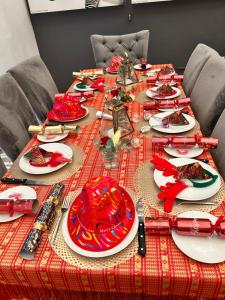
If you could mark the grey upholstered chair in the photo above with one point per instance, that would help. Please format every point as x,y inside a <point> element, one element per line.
<point>2,168</point>
<point>219,153</point>
<point>208,95</point>
<point>196,62</point>
<point>16,114</point>
<point>107,46</point>
<point>35,80</point>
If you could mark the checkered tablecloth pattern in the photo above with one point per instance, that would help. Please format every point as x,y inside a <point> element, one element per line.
<point>164,271</point>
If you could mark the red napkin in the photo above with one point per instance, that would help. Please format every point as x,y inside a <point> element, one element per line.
<point>56,159</point>
<point>98,84</point>
<point>171,190</point>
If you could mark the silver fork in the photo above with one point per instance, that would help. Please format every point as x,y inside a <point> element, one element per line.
<point>64,208</point>
<point>198,202</point>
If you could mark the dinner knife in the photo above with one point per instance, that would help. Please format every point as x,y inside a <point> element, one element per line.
<point>141,229</point>
<point>24,181</point>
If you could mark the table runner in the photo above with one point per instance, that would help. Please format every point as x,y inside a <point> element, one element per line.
<point>164,271</point>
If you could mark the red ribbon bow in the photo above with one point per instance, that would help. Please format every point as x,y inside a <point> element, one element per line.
<point>171,190</point>
<point>98,84</point>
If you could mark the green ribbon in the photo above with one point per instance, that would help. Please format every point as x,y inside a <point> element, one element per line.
<point>207,183</point>
<point>81,86</point>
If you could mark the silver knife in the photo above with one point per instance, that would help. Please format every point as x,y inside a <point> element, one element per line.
<point>141,229</point>
<point>24,181</point>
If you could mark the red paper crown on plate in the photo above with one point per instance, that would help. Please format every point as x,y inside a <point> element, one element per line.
<point>101,215</point>
<point>115,63</point>
<point>66,107</point>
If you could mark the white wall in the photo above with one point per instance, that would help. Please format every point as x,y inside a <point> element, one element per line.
<point>17,40</point>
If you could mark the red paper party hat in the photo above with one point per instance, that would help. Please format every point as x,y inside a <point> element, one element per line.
<point>101,216</point>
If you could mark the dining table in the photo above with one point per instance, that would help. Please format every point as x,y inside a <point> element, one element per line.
<point>58,273</point>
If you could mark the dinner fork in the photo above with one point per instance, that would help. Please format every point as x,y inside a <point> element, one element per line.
<point>64,208</point>
<point>198,202</point>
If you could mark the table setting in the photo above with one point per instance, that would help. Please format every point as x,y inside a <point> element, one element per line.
<point>158,208</point>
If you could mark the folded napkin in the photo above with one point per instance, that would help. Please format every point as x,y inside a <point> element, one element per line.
<point>98,84</point>
<point>190,173</point>
<point>164,104</point>
<point>185,142</point>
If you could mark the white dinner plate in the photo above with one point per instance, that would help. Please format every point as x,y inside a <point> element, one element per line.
<point>50,138</point>
<point>150,93</point>
<point>155,72</point>
<point>190,193</point>
<point>156,123</point>
<point>138,67</point>
<point>125,242</point>
<point>185,152</point>
<point>25,192</point>
<point>87,89</point>
<point>170,109</point>
<point>209,250</point>
<point>53,147</point>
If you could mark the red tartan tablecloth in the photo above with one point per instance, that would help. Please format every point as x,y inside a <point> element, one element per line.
<point>164,271</point>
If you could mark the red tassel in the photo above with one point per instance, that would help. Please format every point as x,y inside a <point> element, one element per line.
<point>169,193</point>
<point>162,164</point>
<point>57,159</point>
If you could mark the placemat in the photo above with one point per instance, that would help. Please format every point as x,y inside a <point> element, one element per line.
<point>57,176</point>
<point>148,190</point>
<point>65,253</point>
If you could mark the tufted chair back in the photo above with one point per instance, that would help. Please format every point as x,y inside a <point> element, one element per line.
<point>107,46</point>
<point>208,94</point>
<point>37,84</point>
<point>2,168</point>
<point>16,114</point>
<point>195,64</point>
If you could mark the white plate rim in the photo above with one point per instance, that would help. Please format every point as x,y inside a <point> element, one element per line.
<point>150,94</point>
<point>187,194</point>
<point>172,129</point>
<point>138,67</point>
<point>157,70</point>
<point>196,152</point>
<point>6,217</point>
<point>110,72</point>
<point>179,239</point>
<point>82,90</point>
<point>24,166</point>
<point>59,137</point>
<point>125,242</point>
